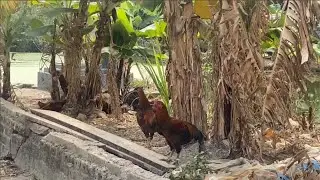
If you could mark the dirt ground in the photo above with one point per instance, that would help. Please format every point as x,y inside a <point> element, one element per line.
<point>9,171</point>
<point>291,141</point>
<point>128,128</point>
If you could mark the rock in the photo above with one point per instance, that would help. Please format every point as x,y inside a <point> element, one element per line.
<point>132,112</point>
<point>121,127</point>
<point>101,114</point>
<point>294,124</point>
<point>38,129</point>
<point>125,108</point>
<point>81,117</point>
<point>93,116</point>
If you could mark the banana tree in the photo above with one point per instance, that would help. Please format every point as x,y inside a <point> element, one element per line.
<point>10,30</point>
<point>249,101</point>
<point>184,69</point>
<point>90,39</point>
<point>133,37</point>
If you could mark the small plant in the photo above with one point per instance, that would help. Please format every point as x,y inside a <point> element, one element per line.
<point>139,83</point>
<point>195,170</point>
<point>158,76</point>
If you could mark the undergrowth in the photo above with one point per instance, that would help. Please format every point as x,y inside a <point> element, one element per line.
<point>197,169</point>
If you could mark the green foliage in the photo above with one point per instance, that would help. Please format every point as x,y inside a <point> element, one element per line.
<point>129,31</point>
<point>40,31</point>
<point>158,29</point>
<point>312,98</point>
<point>316,48</point>
<point>152,5</point>
<point>141,16</point>
<point>158,76</point>
<point>195,170</point>
<point>272,39</point>
<point>125,21</point>
<point>58,11</point>
<point>139,83</point>
<point>14,26</point>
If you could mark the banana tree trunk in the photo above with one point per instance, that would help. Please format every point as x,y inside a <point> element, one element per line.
<point>120,72</point>
<point>184,67</point>
<point>93,78</point>
<point>6,88</point>
<point>126,77</point>
<point>55,93</point>
<point>112,81</point>
<point>5,63</point>
<point>2,57</point>
<point>73,36</point>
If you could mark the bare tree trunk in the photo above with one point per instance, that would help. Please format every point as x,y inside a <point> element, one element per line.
<point>55,93</point>
<point>73,37</point>
<point>184,67</point>
<point>112,82</point>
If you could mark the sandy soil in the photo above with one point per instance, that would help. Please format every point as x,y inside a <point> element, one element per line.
<point>30,97</point>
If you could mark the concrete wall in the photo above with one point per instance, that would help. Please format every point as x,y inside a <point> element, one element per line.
<point>44,79</point>
<point>52,155</point>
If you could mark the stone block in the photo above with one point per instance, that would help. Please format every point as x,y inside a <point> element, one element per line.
<point>21,129</point>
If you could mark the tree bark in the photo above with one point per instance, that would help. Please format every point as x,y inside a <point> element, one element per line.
<point>126,77</point>
<point>112,81</point>
<point>239,81</point>
<point>184,66</point>
<point>73,39</point>
<point>55,93</point>
<point>2,57</point>
<point>6,88</point>
<point>93,81</point>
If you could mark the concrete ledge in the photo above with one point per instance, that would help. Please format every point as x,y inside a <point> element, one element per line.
<point>124,148</point>
<point>90,152</point>
<point>35,145</point>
